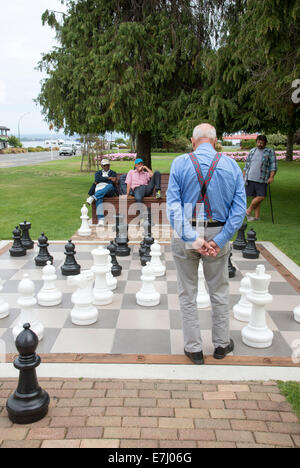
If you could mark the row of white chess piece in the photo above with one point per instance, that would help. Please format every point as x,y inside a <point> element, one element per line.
<point>251,307</point>
<point>93,288</point>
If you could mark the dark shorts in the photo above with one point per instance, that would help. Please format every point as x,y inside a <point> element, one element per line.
<point>256,189</point>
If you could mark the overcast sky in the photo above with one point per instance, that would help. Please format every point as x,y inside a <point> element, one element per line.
<point>23,39</point>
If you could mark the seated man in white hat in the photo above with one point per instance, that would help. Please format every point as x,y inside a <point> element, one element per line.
<point>105,185</point>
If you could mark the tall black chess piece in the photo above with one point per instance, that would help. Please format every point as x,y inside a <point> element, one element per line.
<point>30,402</point>
<point>26,241</point>
<point>121,240</point>
<point>148,240</point>
<point>17,250</point>
<point>231,268</point>
<point>250,251</point>
<point>116,269</point>
<point>43,256</point>
<point>70,267</point>
<point>240,242</point>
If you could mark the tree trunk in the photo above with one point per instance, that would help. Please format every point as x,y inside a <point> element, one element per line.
<point>144,147</point>
<point>290,146</point>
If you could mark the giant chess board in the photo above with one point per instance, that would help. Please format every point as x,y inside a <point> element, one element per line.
<point>124,328</point>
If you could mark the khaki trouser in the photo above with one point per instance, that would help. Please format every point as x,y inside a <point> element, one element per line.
<point>217,278</point>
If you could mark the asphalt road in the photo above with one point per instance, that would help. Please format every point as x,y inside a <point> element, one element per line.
<point>29,159</point>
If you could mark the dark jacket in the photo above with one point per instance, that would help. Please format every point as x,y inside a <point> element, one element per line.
<point>99,179</point>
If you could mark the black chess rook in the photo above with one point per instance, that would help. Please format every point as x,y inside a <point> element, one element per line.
<point>70,267</point>
<point>17,250</point>
<point>43,256</point>
<point>30,402</point>
<point>26,240</point>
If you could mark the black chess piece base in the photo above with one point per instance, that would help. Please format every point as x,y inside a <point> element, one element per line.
<point>22,410</point>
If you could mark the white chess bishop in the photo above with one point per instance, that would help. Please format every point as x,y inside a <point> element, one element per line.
<point>203,299</point>
<point>84,312</point>
<point>49,295</point>
<point>148,296</point>
<point>257,334</point>
<point>242,311</point>
<point>85,229</point>
<point>111,281</point>
<point>156,264</point>
<point>28,314</point>
<point>4,306</point>
<point>296,314</point>
<point>102,293</point>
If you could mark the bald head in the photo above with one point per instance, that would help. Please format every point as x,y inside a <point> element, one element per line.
<point>204,133</point>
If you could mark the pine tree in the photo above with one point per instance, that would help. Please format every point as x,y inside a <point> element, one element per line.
<point>126,65</point>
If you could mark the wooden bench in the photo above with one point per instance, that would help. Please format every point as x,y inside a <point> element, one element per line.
<point>118,206</point>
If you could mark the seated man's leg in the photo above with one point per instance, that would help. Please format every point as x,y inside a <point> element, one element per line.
<point>139,194</point>
<point>107,191</point>
<point>155,183</point>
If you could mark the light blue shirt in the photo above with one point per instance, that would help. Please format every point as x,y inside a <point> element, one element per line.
<point>226,194</point>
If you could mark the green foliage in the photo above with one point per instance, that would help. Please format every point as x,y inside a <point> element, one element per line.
<point>14,142</point>
<point>277,139</point>
<point>291,391</point>
<point>248,144</point>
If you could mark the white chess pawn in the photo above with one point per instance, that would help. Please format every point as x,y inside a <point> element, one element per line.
<point>103,295</point>
<point>49,295</point>
<point>148,296</point>
<point>83,313</point>
<point>296,314</point>
<point>4,306</point>
<point>28,314</point>
<point>257,334</point>
<point>112,282</point>
<point>242,310</point>
<point>157,267</point>
<point>84,230</point>
<point>203,299</point>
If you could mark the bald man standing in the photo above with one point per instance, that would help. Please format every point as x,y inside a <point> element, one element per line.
<point>206,202</point>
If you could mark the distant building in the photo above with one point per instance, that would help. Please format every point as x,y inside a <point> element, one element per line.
<point>236,139</point>
<point>3,137</point>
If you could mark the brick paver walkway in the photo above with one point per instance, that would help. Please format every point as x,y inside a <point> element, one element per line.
<point>155,414</point>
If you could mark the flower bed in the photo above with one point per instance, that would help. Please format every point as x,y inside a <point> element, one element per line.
<point>118,157</point>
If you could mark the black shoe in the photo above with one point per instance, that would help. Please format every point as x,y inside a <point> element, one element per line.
<point>221,353</point>
<point>197,358</point>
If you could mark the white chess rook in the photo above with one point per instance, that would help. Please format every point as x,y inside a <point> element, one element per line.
<point>103,295</point>
<point>111,281</point>
<point>49,295</point>
<point>148,296</point>
<point>84,312</point>
<point>203,299</point>
<point>4,306</point>
<point>297,314</point>
<point>84,230</point>
<point>28,314</point>
<point>257,334</point>
<point>242,311</point>
<point>156,264</point>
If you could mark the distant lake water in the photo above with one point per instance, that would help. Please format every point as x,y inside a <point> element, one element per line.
<point>33,144</point>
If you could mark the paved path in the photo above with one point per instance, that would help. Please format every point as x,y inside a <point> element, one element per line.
<point>29,159</point>
<point>155,414</point>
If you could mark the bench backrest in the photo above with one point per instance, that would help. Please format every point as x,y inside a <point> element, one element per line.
<point>164,181</point>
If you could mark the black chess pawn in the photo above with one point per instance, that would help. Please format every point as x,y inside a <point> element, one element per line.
<point>231,268</point>
<point>43,256</point>
<point>70,267</point>
<point>26,241</point>
<point>17,250</point>
<point>121,240</point>
<point>30,402</point>
<point>240,242</point>
<point>250,251</point>
<point>116,269</point>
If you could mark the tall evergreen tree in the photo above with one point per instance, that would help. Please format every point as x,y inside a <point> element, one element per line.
<point>127,65</point>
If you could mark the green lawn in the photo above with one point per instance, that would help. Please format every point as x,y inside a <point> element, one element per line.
<point>291,391</point>
<point>50,196</point>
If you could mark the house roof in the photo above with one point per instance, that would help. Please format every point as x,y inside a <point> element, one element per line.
<point>4,128</point>
<point>241,137</point>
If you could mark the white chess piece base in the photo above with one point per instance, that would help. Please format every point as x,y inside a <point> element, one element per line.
<point>84,316</point>
<point>297,314</point>
<point>257,337</point>
<point>49,299</point>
